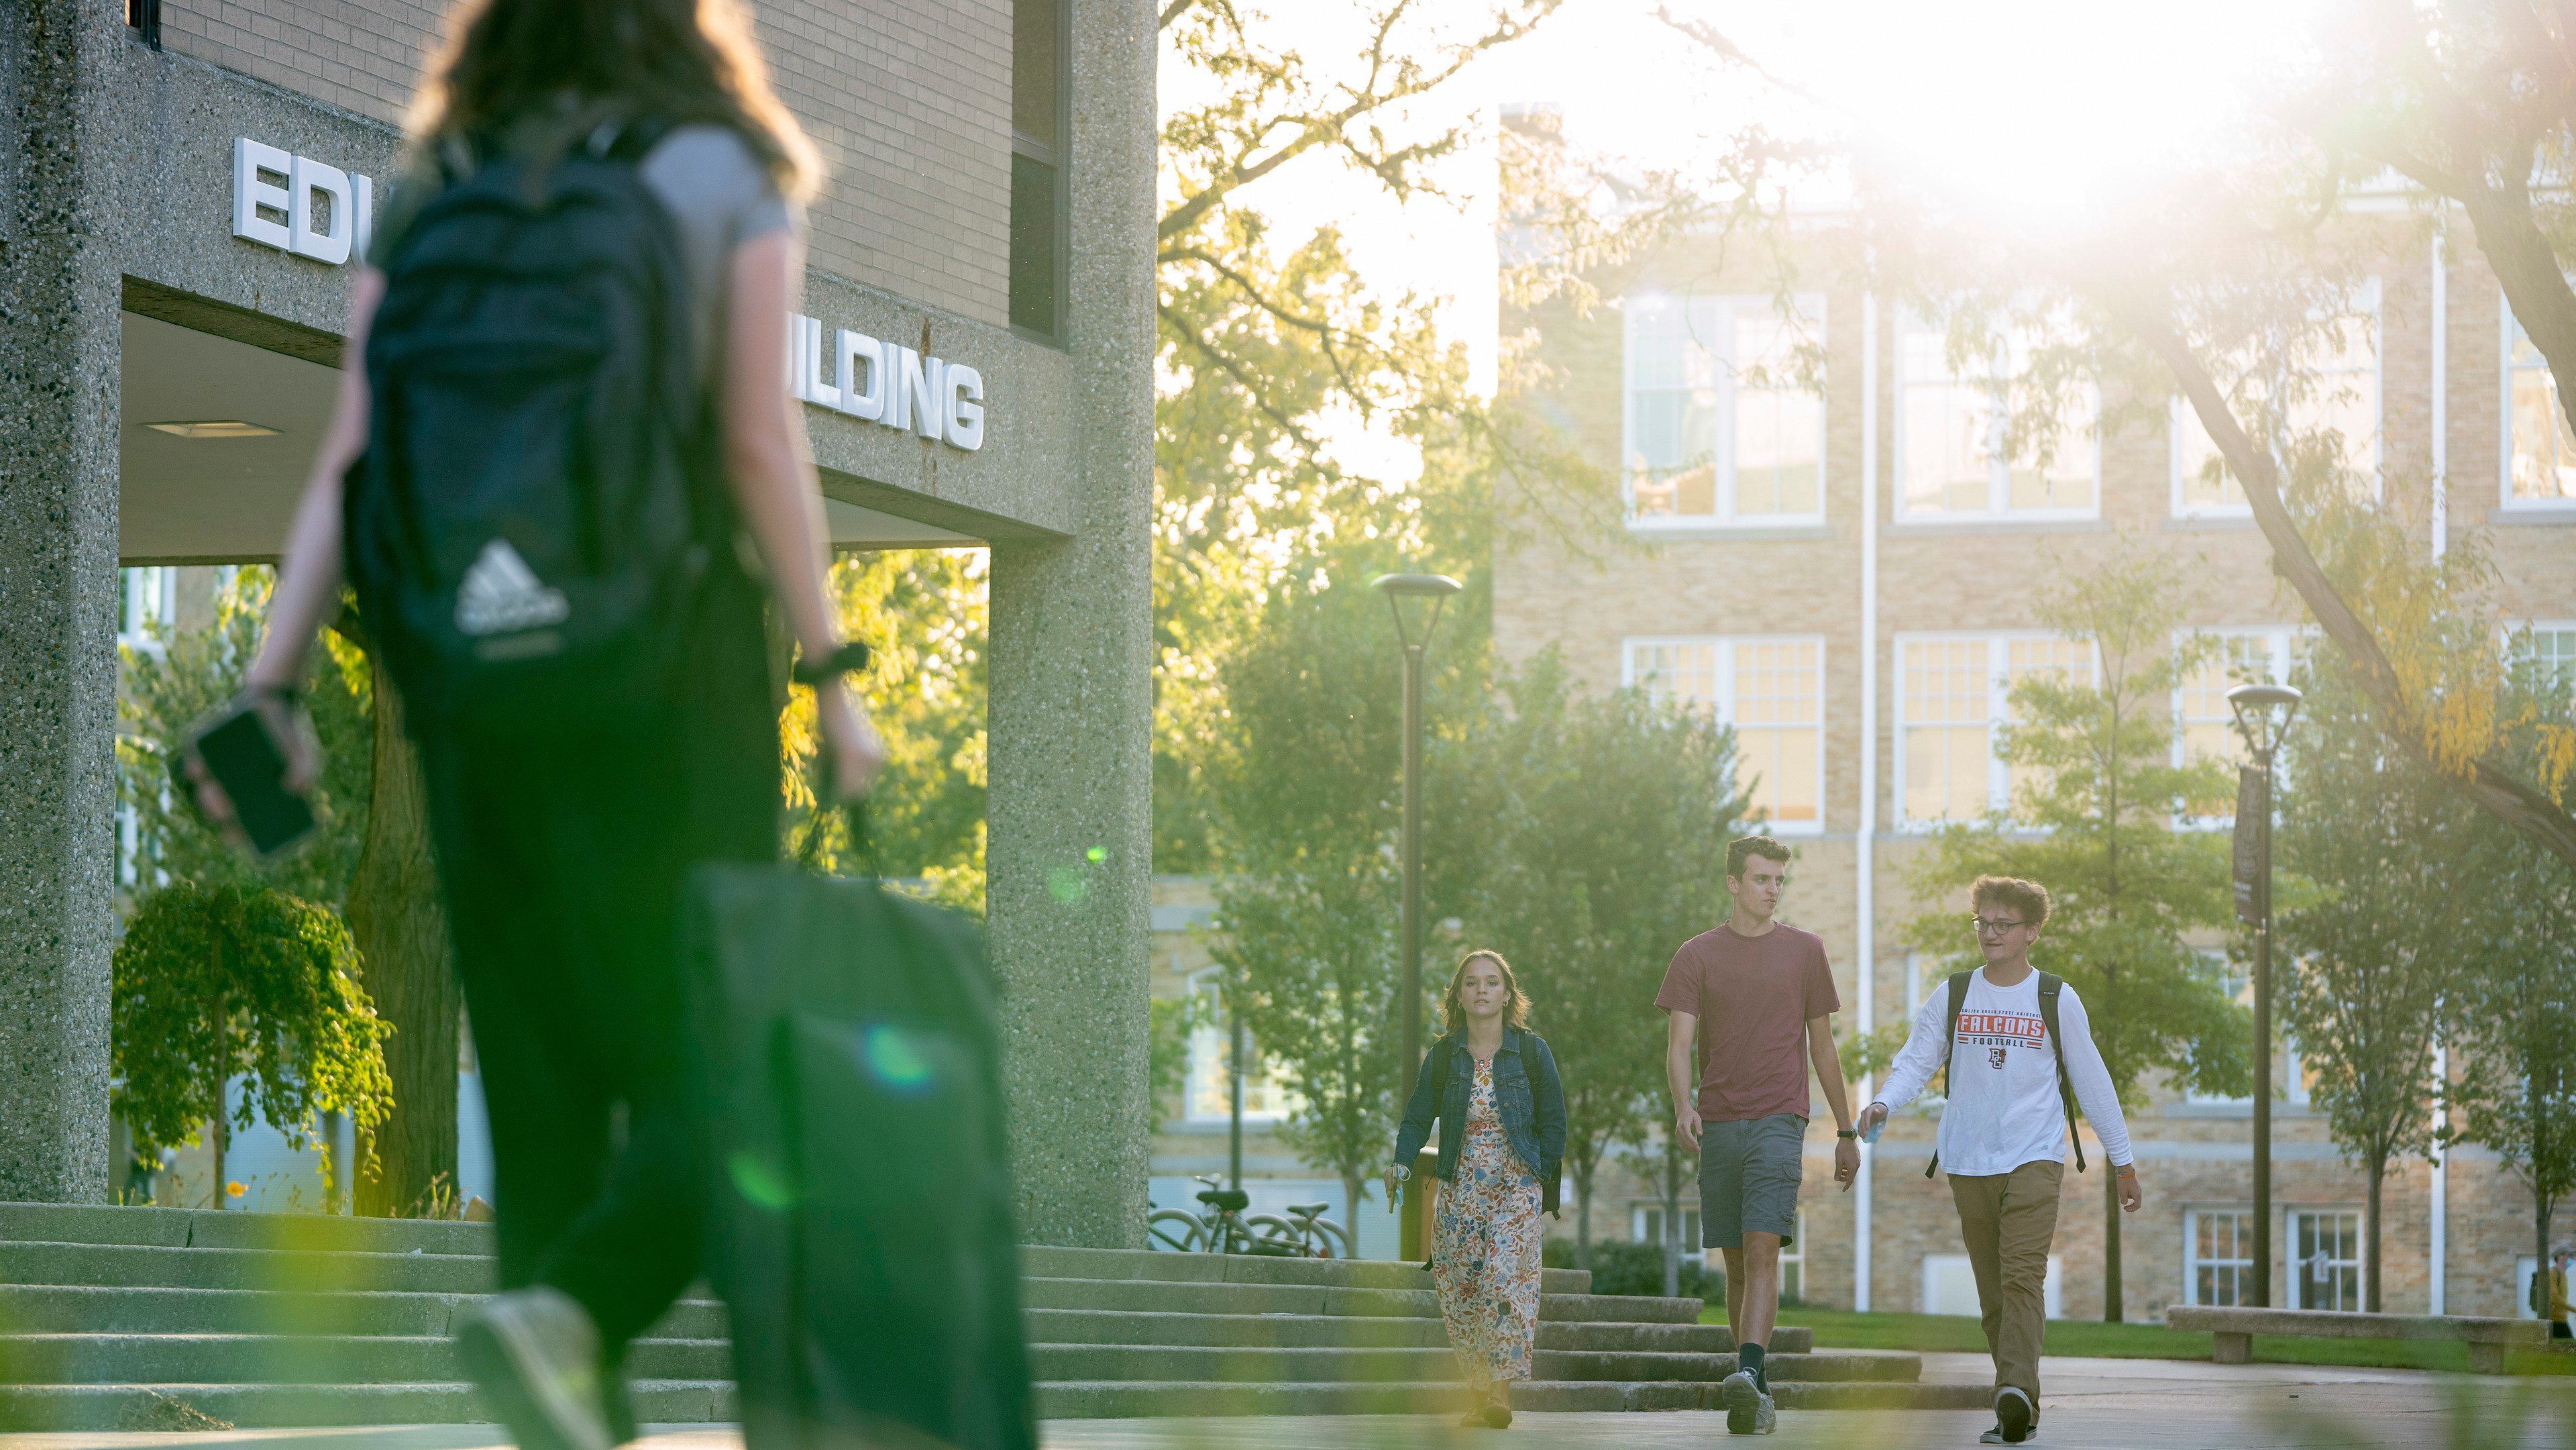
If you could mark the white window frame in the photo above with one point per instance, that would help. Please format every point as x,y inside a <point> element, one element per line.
<point>1724,701</point>
<point>1998,713</point>
<point>1215,1038</point>
<point>2192,1262</point>
<point>145,595</point>
<point>1998,464</point>
<point>1793,1259</point>
<point>2181,419</point>
<point>1645,1232</point>
<point>2552,626</point>
<point>1811,307</point>
<point>2507,326</point>
<point>2294,1268</point>
<point>2281,650</point>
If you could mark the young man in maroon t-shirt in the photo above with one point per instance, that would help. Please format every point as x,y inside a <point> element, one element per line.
<point>1759,999</point>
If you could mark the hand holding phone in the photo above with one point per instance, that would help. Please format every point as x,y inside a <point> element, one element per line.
<point>236,769</point>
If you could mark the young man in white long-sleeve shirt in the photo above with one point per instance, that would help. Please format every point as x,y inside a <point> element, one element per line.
<point>2003,1133</point>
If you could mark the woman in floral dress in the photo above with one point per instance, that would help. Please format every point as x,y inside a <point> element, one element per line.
<point>1492,1084</point>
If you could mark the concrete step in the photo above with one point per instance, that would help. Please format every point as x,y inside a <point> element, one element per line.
<point>163,1266</point>
<point>176,1406</point>
<point>1126,1399</point>
<point>1040,1261</point>
<point>1138,1296</point>
<point>107,1359</point>
<point>1100,1326</point>
<point>95,1309</point>
<point>1074,1363</point>
<point>177,1228</point>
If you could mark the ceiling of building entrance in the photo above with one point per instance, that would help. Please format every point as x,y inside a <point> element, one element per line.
<point>224,493</point>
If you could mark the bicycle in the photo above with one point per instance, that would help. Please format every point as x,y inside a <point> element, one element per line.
<point>1223,1229</point>
<point>1309,1233</point>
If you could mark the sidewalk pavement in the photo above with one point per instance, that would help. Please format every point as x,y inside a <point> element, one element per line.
<point>2113,1404</point>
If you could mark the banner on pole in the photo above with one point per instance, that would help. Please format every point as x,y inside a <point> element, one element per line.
<point>2253,813</point>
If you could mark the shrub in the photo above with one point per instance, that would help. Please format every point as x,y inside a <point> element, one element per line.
<point>1626,1266</point>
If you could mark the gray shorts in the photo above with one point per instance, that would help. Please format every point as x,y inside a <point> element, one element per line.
<point>1748,1178</point>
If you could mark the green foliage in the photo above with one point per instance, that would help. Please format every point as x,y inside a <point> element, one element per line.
<point>1632,1267</point>
<point>1169,1023</point>
<point>2511,1004</point>
<point>237,979</point>
<point>2370,963</point>
<point>1599,828</point>
<point>183,676</point>
<point>2095,805</point>
<point>924,613</point>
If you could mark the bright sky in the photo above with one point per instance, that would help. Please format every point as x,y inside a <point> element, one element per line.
<point>2049,111</point>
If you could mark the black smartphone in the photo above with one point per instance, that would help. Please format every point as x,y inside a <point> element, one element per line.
<point>237,752</point>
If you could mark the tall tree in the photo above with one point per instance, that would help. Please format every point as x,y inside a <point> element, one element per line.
<point>1303,768</point>
<point>1605,851</point>
<point>2363,997</point>
<point>2513,1011</point>
<point>2090,752</point>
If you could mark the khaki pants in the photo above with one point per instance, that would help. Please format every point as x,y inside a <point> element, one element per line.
<point>2008,1220</point>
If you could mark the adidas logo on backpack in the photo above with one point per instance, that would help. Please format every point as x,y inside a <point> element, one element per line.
<point>500,594</point>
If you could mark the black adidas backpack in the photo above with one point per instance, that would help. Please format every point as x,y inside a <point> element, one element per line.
<point>526,530</point>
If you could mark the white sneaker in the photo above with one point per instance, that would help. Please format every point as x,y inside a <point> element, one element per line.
<point>1748,1408</point>
<point>534,1354</point>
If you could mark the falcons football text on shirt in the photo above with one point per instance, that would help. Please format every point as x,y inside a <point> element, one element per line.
<point>1998,1031</point>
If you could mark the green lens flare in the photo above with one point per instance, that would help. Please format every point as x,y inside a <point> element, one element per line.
<point>897,1059</point>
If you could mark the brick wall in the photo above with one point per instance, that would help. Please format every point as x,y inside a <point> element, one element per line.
<point>908,102</point>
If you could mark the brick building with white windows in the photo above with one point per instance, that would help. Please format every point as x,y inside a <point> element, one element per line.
<point>1833,561</point>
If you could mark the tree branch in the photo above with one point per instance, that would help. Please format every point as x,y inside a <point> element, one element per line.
<point>2487,784</point>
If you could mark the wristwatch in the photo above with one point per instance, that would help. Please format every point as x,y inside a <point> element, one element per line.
<point>1847,1132</point>
<point>851,658</point>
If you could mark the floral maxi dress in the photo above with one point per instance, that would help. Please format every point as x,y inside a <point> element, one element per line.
<point>1485,1248</point>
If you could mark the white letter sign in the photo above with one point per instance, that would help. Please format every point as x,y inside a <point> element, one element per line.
<point>885,383</point>
<point>301,180</point>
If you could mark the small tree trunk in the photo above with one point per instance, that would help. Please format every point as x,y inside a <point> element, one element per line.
<point>2111,1311</point>
<point>2370,1238</point>
<point>1352,1188</point>
<point>401,934</point>
<point>2541,1207</point>
<point>215,1150</point>
<point>1583,1220</point>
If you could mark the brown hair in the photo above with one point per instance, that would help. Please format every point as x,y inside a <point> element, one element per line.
<point>1744,848</point>
<point>2027,897</point>
<point>687,60</point>
<point>1453,1013</point>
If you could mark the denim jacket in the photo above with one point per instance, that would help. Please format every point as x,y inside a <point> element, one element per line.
<point>1527,1095</point>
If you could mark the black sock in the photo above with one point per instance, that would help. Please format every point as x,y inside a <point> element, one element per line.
<point>1749,1357</point>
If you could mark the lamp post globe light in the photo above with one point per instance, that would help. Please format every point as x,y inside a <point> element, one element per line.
<point>1416,600</point>
<point>2263,714</point>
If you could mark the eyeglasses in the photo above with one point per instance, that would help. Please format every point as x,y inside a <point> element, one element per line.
<point>1986,926</point>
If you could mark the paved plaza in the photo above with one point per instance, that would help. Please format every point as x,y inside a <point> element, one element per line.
<point>2152,1404</point>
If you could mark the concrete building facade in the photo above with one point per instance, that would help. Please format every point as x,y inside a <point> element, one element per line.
<point>1837,569</point>
<point>181,180</point>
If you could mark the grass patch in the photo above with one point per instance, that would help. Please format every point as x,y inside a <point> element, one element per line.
<point>1929,1333</point>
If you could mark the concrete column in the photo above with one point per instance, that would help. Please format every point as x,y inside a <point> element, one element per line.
<point>1068,735</point>
<point>58,467</point>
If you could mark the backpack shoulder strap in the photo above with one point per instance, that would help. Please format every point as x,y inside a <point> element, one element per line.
<point>2049,986</point>
<point>1958,1004</point>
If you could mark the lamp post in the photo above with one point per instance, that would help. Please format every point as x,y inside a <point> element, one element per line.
<point>1411,595</point>
<point>2263,717</point>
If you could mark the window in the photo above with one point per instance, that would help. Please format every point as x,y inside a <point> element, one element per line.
<point>2218,1257</point>
<point>1037,266</point>
<point>2552,647</point>
<point>1209,1095</point>
<point>1793,1263</point>
<point>147,602</point>
<point>2340,392</point>
<point>1773,692</point>
<point>2325,1259</point>
<point>2204,726</point>
<point>1725,421</point>
<point>1954,694</point>
<point>1958,454</point>
<point>1950,1286</point>
<point>2540,455</point>
<point>1646,1226</point>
